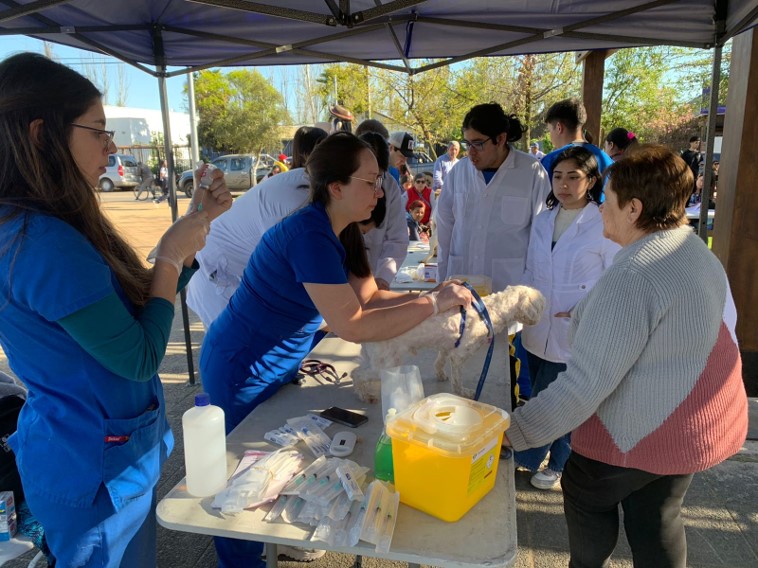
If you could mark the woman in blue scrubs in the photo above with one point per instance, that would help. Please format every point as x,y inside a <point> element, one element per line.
<point>83,323</point>
<point>311,267</point>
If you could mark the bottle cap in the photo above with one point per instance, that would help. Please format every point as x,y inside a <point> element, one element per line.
<point>202,399</point>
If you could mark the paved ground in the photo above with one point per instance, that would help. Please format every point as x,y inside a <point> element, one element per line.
<point>721,509</point>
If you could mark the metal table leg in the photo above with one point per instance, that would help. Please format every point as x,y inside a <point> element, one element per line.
<point>272,555</point>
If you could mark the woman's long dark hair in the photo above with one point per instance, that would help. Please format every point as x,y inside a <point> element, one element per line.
<point>335,159</point>
<point>41,176</point>
<point>586,163</point>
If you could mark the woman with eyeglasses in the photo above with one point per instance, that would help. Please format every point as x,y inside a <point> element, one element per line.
<point>421,192</point>
<point>84,324</point>
<point>310,267</point>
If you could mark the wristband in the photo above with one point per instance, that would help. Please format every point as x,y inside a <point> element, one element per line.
<point>172,262</point>
<point>432,296</point>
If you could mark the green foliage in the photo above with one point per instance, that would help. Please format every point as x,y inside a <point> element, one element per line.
<point>352,84</point>
<point>653,91</point>
<point>656,91</point>
<point>239,111</point>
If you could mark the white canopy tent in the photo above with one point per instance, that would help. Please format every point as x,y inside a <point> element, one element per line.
<point>395,34</point>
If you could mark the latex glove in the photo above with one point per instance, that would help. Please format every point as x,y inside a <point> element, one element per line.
<point>183,239</point>
<point>210,193</point>
<point>453,295</point>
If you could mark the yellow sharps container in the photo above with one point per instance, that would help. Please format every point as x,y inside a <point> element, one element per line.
<point>445,451</point>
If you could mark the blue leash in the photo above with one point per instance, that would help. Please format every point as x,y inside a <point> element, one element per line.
<point>481,309</point>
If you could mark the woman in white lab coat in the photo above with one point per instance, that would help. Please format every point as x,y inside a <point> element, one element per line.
<point>567,255</point>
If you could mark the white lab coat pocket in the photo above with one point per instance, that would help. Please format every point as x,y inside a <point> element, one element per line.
<point>567,296</point>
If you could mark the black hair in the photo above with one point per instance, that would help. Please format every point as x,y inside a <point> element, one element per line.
<point>586,163</point>
<point>382,153</point>
<point>378,214</point>
<point>490,119</point>
<point>372,125</point>
<point>379,147</point>
<point>570,112</point>
<point>335,159</point>
<point>621,138</point>
<point>39,174</point>
<point>304,142</point>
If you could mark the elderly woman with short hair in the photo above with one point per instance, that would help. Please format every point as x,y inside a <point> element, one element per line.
<point>653,391</point>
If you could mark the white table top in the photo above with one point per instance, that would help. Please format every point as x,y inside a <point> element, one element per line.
<point>417,253</point>
<point>694,212</point>
<point>485,536</point>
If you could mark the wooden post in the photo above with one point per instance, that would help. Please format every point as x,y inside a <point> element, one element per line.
<point>735,236</point>
<point>593,75</point>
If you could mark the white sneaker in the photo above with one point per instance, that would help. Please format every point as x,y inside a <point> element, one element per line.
<point>299,554</point>
<point>546,479</point>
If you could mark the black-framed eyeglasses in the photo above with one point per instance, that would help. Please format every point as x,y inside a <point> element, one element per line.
<point>109,134</point>
<point>478,145</point>
<point>420,181</point>
<point>377,183</point>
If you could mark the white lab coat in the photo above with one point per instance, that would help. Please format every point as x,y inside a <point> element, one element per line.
<point>484,228</point>
<point>235,234</point>
<point>387,244</point>
<point>564,275</point>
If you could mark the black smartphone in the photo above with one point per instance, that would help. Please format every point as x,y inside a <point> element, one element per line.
<point>346,417</point>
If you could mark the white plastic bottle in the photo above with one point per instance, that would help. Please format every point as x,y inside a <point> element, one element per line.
<point>204,447</point>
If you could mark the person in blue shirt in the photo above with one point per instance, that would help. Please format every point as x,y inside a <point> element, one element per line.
<point>309,268</point>
<point>83,323</point>
<point>565,122</point>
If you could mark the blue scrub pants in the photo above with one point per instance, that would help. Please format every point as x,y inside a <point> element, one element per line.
<point>99,536</point>
<point>543,373</point>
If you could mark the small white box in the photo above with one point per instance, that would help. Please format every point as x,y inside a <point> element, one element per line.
<point>430,272</point>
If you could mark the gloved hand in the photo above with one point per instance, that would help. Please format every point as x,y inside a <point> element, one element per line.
<point>453,295</point>
<point>183,239</point>
<point>210,193</point>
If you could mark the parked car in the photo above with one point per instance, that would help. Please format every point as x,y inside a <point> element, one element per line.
<point>420,162</point>
<point>238,170</point>
<point>122,172</point>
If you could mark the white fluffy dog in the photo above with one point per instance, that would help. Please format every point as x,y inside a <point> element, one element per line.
<point>515,303</point>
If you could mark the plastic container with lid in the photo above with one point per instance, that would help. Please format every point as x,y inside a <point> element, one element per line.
<point>445,453</point>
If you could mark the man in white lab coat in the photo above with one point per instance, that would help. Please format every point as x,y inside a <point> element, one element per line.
<point>485,213</point>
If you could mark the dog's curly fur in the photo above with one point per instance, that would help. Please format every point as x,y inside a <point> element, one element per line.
<point>515,303</point>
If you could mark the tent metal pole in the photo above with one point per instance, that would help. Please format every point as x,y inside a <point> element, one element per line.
<point>195,148</point>
<point>161,72</point>
<point>710,135</point>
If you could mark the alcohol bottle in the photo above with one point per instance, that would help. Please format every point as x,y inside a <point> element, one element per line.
<point>204,447</point>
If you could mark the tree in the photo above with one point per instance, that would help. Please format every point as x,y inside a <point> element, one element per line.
<point>523,85</point>
<point>346,84</point>
<point>122,85</point>
<point>656,91</point>
<point>239,111</point>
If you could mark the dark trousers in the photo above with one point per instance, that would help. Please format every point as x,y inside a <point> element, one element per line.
<point>652,504</point>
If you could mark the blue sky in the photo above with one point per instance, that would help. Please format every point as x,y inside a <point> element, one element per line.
<point>142,91</point>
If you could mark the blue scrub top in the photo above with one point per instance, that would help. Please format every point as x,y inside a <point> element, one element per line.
<point>74,403</point>
<point>270,321</point>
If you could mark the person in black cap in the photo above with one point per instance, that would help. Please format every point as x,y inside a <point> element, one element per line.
<point>693,156</point>
<point>401,148</point>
